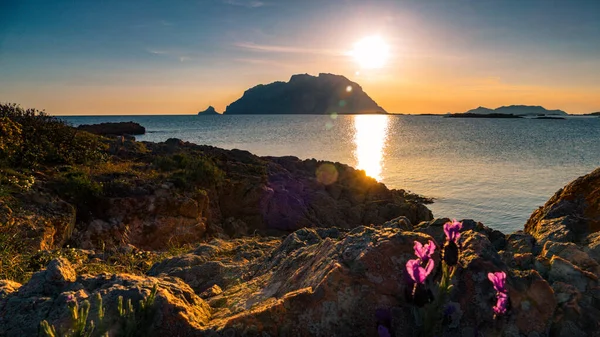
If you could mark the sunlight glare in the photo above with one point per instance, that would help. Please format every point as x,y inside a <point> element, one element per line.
<point>370,138</point>
<point>371,52</point>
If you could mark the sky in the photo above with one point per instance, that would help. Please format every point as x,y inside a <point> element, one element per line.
<point>78,57</point>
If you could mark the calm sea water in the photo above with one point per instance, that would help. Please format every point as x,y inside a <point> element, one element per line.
<point>496,171</point>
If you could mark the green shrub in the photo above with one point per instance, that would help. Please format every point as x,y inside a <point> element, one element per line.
<point>10,138</point>
<point>43,139</point>
<point>79,189</point>
<point>187,170</point>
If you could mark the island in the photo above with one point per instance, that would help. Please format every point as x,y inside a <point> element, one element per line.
<point>114,129</point>
<point>517,110</point>
<point>549,117</point>
<point>475,115</point>
<point>306,94</point>
<point>209,111</point>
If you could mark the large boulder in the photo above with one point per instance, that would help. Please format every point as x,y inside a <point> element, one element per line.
<point>571,214</point>
<point>114,129</point>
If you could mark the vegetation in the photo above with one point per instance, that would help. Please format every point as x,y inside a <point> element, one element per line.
<point>186,169</point>
<point>43,155</point>
<point>29,138</point>
<point>130,321</point>
<point>18,262</point>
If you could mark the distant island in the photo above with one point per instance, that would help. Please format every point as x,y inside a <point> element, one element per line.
<point>306,94</point>
<point>549,117</point>
<point>517,110</point>
<point>209,111</point>
<point>592,114</point>
<point>475,115</point>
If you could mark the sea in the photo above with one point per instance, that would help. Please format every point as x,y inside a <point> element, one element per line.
<point>496,171</point>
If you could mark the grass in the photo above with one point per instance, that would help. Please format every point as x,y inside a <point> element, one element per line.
<point>18,261</point>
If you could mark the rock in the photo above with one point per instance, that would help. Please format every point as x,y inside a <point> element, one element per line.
<point>520,243</point>
<point>306,94</point>
<point>331,283</point>
<point>290,196</point>
<point>564,271</point>
<point>176,310</point>
<point>114,129</point>
<point>571,214</point>
<point>573,254</point>
<point>149,222</point>
<point>400,222</point>
<point>41,221</point>
<point>211,292</point>
<point>209,111</point>
<point>532,302</point>
<point>8,287</point>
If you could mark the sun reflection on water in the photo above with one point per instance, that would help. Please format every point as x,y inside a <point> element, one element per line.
<point>370,138</point>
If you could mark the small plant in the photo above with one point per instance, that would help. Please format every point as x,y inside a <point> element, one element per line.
<point>130,323</point>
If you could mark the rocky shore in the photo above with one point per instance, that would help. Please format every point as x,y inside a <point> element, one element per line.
<point>177,239</point>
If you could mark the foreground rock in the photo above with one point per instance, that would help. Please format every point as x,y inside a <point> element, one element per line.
<point>306,94</point>
<point>177,311</point>
<point>114,129</point>
<point>315,282</point>
<point>567,238</point>
<point>571,215</point>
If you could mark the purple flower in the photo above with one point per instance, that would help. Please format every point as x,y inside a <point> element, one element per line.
<point>501,303</point>
<point>382,331</point>
<point>498,279</point>
<point>452,230</point>
<point>424,252</point>
<point>70,298</point>
<point>417,273</point>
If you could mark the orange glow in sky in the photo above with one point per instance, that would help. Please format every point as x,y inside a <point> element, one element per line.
<point>409,56</point>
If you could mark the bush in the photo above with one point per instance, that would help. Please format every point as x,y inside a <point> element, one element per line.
<point>10,138</point>
<point>79,189</point>
<point>38,139</point>
<point>188,169</point>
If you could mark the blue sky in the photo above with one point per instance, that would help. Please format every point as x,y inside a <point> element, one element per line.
<point>177,57</point>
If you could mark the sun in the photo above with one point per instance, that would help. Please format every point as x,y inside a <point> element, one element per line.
<point>371,52</point>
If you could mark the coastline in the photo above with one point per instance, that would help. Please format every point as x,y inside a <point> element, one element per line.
<point>236,242</point>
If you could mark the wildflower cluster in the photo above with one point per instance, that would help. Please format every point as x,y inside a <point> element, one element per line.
<point>429,298</point>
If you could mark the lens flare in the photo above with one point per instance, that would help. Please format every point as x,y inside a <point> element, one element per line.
<point>370,138</point>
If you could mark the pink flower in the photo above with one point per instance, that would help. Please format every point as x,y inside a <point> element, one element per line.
<point>417,273</point>
<point>498,279</point>
<point>452,230</point>
<point>424,252</point>
<point>501,304</point>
